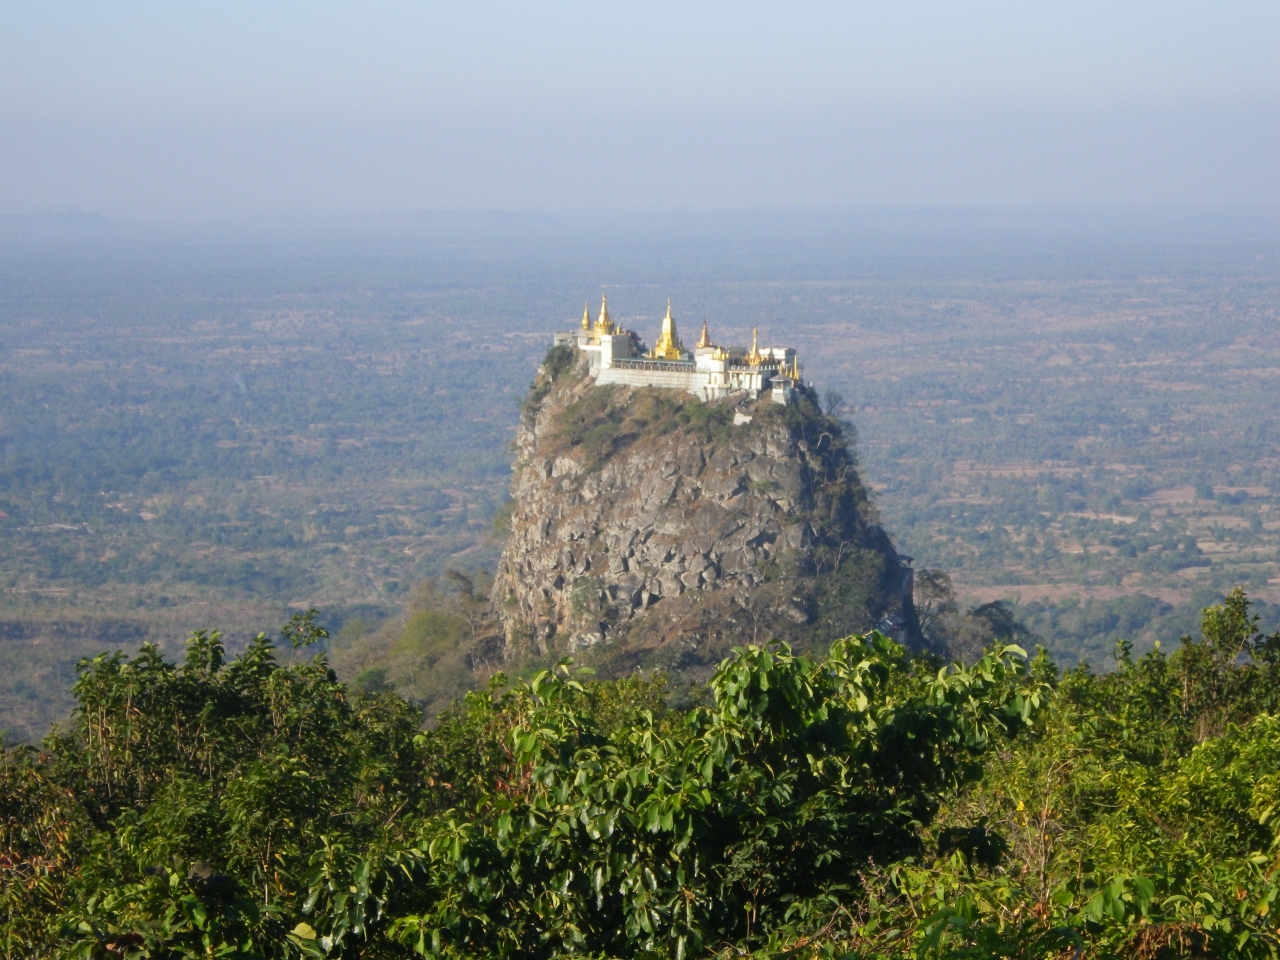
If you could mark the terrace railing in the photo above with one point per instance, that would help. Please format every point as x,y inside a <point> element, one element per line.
<point>666,366</point>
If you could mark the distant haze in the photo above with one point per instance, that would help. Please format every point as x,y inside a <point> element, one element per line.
<point>177,112</point>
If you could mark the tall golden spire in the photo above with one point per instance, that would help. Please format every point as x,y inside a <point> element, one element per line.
<point>668,346</point>
<point>586,316</point>
<point>754,357</point>
<point>603,323</point>
<point>704,340</point>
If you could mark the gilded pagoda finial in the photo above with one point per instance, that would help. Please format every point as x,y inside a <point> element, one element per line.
<point>704,340</point>
<point>586,316</point>
<point>603,324</point>
<point>668,346</point>
<point>754,357</point>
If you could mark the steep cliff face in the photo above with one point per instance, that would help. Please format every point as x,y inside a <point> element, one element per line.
<point>657,529</point>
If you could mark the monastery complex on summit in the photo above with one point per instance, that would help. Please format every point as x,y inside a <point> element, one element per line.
<point>708,371</point>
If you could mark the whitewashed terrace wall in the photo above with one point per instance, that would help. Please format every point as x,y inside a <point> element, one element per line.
<point>674,380</point>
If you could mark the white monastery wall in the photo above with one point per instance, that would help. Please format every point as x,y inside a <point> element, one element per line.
<point>672,379</point>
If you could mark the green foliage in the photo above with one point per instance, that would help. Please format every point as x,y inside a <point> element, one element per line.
<point>610,418</point>
<point>864,804</point>
<point>1137,820</point>
<point>848,593</point>
<point>439,649</point>
<point>246,808</point>
<point>501,522</point>
<point>963,635</point>
<point>178,814</point>
<point>558,362</point>
<point>594,424</point>
<point>661,837</point>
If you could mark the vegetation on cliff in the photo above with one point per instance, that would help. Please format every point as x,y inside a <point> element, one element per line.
<point>868,803</point>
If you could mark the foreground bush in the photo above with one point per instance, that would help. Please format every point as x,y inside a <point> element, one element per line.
<point>1138,819</point>
<point>256,809</point>
<point>863,804</point>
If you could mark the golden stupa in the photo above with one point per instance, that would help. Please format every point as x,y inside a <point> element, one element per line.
<point>704,340</point>
<point>604,326</point>
<point>668,346</point>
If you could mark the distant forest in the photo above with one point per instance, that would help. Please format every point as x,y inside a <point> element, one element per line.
<point>1076,415</point>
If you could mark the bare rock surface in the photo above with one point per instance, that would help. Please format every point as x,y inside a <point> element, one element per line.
<point>647,523</point>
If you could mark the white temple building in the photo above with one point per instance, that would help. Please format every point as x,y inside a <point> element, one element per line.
<point>709,371</point>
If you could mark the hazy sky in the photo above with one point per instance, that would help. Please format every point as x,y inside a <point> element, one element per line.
<point>176,110</point>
